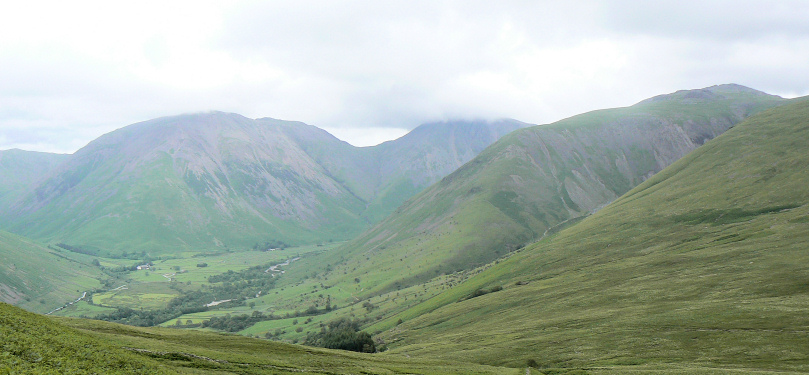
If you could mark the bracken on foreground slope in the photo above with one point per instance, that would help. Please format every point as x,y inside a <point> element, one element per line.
<point>34,344</point>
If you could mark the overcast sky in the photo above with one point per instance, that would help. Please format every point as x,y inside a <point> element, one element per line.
<point>368,71</point>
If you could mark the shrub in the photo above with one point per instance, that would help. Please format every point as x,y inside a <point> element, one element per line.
<point>480,292</point>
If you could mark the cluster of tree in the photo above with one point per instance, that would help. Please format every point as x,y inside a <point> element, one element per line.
<point>101,252</point>
<point>121,269</point>
<point>77,249</point>
<point>235,323</point>
<point>480,292</point>
<point>127,255</point>
<point>369,306</point>
<point>240,285</point>
<point>188,303</point>
<point>342,334</point>
<point>236,286</point>
<point>271,244</point>
<point>252,273</point>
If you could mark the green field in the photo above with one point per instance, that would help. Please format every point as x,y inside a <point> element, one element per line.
<point>171,277</point>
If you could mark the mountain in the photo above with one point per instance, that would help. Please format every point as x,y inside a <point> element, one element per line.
<point>223,181</point>
<point>704,265</point>
<point>388,174</point>
<point>532,182</point>
<point>42,279</point>
<point>19,170</point>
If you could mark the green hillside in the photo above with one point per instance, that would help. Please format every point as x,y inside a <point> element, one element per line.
<point>42,279</point>
<point>704,265</point>
<point>424,156</point>
<point>19,170</point>
<point>188,182</point>
<point>531,183</point>
<point>33,344</point>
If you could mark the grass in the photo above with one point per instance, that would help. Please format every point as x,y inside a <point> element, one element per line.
<point>41,279</point>
<point>702,268</point>
<point>19,169</point>
<point>148,295</point>
<point>36,344</point>
<point>83,308</point>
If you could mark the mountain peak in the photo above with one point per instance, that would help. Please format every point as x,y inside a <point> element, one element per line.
<point>716,92</point>
<point>735,88</point>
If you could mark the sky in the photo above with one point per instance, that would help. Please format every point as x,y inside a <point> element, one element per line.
<point>369,71</point>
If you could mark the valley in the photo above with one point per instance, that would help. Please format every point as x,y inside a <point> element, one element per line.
<point>667,237</point>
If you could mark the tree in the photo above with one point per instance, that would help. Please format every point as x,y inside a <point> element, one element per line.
<point>342,334</point>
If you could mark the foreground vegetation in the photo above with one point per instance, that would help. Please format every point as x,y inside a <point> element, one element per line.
<point>37,344</point>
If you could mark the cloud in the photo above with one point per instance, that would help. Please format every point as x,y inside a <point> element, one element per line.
<point>79,70</point>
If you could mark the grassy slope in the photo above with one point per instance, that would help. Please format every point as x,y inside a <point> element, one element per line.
<point>703,265</point>
<point>528,183</point>
<point>19,169</point>
<point>41,279</point>
<point>190,182</point>
<point>408,165</point>
<point>36,344</point>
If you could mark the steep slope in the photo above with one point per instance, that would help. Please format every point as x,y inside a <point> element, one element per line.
<point>427,154</point>
<point>388,174</point>
<point>534,180</point>
<point>223,181</point>
<point>704,264</point>
<point>35,344</point>
<point>193,181</point>
<point>21,170</point>
<point>41,279</point>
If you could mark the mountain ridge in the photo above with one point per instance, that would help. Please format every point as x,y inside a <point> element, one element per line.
<point>702,264</point>
<point>241,182</point>
<point>534,181</point>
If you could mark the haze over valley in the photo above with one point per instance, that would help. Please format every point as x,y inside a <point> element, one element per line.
<point>582,188</point>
